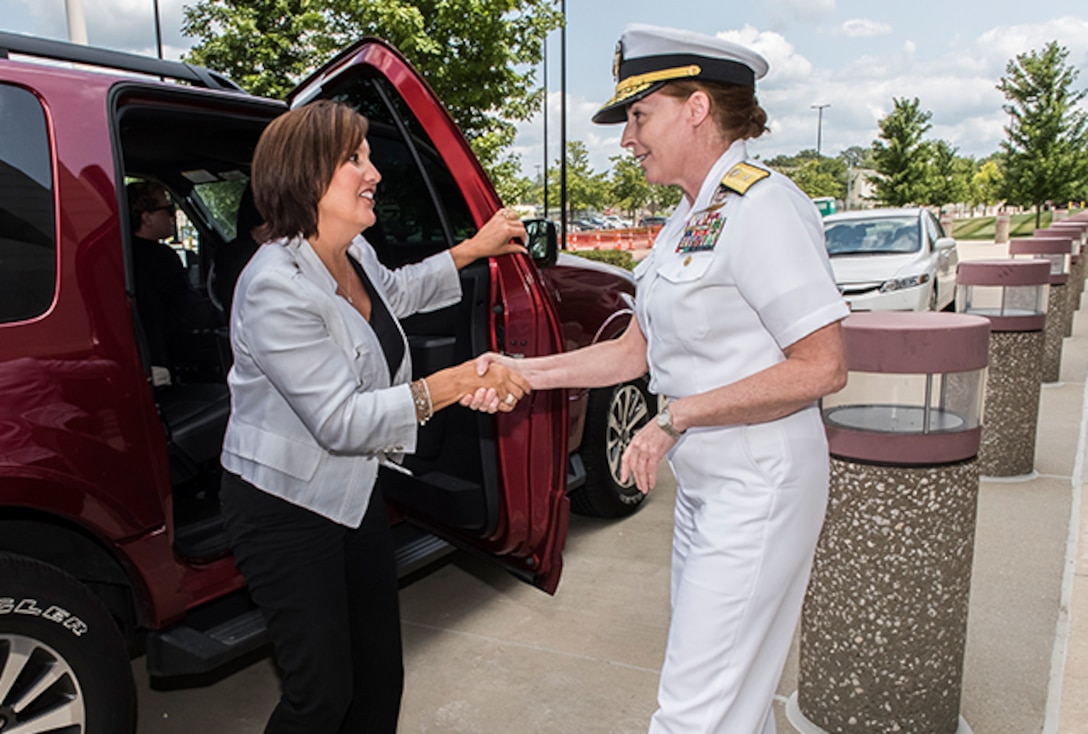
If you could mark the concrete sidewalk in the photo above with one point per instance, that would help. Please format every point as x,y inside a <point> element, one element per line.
<point>486,654</point>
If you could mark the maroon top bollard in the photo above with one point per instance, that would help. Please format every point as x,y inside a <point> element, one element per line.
<point>884,625</point>
<point>1077,226</point>
<point>1057,250</point>
<point>1012,294</point>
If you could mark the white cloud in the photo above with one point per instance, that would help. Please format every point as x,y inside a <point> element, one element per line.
<point>864,28</point>
<point>1001,45</point>
<point>786,63</point>
<point>125,25</point>
<point>957,87</point>
<point>804,10</point>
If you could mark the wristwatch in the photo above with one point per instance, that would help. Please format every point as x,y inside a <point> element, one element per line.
<point>664,422</point>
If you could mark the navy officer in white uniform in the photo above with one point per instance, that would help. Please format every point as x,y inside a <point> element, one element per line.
<point>738,322</point>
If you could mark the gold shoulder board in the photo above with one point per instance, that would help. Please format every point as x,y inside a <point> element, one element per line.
<point>742,176</point>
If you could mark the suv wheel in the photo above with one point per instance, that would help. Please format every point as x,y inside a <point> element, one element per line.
<point>63,663</point>
<point>613,416</point>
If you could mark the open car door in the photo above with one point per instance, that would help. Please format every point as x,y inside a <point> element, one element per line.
<point>496,484</point>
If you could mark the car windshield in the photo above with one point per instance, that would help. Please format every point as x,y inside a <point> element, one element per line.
<point>877,236</point>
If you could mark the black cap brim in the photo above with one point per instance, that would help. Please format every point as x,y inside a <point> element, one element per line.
<point>615,110</point>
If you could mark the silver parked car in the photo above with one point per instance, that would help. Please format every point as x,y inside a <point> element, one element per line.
<point>892,259</point>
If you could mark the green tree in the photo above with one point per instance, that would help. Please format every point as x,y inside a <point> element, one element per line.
<point>480,56</point>
<point>503,168</point>
<point>663,198</point>
<point>987,184</point>
<point>586,189</point>
<point>813,174</point>
<point>629,189</point>
<point>948,177</point>
<point>820,177</point>
<point>901,160</point>
<point>1047,140</point>
<point>858,157</point>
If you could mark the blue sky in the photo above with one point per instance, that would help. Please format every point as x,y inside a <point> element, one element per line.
<point>854,56</point>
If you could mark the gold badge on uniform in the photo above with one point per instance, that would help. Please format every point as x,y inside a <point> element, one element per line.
<point>719,197</point>
<point>702,233</point>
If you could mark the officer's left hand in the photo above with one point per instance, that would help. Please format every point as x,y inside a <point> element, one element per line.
<point>643,454</point>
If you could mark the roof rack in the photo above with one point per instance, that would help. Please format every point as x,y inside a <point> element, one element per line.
<point>63,51</point>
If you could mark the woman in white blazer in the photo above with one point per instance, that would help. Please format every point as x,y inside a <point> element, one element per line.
<point>321,394</point>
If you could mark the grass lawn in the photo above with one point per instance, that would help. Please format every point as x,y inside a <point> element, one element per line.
<point>982,228</point>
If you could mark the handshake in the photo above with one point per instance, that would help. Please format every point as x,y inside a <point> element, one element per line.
<point>498,386</point>
<point>490,383</point>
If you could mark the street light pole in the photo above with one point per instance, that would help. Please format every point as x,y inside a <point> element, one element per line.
<point>819,126</point>
<point>545,127</point>
<point>158,30</point>
<point>563,127</point>
<point>77,21</point>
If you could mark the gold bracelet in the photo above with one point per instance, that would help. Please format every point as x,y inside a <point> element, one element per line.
<point>421,398</point>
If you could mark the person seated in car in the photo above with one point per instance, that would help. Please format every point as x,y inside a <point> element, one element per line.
<point>170,309</point>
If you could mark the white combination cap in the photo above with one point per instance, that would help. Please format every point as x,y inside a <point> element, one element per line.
<point>648,56</point>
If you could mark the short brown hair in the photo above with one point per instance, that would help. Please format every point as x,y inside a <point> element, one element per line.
<point>734,108</point>
<point>143,196</point>
<point>294,162</point>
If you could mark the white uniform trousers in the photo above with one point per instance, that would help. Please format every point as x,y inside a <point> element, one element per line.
<point>749,507</point>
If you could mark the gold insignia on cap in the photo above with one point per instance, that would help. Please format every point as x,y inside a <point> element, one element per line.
<point>617,59</point>
<point>635,84</point>
<point>743,176</point>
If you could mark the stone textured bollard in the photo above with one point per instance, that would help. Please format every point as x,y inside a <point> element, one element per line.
<point>1001,228</point>
<point>1078,227</point>
<point>885,616</point>
<point>1012,294</point>
<point>1076,268</point>
<point>1057,251</point>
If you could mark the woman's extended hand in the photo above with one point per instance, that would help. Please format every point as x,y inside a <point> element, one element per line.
<point>643,454</point>
<point>500,390</point>
<point>494,238</point>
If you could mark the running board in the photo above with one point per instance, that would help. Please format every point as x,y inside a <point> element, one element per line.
<point>230,628</point>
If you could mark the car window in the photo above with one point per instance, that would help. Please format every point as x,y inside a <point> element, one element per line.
<point>27,233</point>
<point>219,200</point>
<point>885,235</point>
<point>419,206</point>
<point>934,230</point>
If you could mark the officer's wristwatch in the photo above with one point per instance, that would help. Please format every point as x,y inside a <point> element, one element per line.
<point>664,422</point>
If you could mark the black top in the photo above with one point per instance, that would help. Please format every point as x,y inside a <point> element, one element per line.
<point>169,307</point>
<point>382,322</point>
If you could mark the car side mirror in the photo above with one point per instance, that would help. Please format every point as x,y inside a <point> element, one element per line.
<point>543,241</point>
<point>945,243</point>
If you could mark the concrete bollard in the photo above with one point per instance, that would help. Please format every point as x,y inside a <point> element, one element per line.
<point>1012,294</point>
<point>1001,228</point>
<point>1080,227</point>
<point>1076,264</point>
<point>884,624</point>
<point>1057,252</point>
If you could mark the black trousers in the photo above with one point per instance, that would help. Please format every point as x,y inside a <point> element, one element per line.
<point>329,596</point>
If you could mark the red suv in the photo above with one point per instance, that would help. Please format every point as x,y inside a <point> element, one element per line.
<point>110,535</point>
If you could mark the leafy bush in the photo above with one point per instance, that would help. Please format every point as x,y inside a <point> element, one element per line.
<point>621,258</point>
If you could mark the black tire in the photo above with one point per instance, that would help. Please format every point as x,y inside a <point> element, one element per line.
<point>613,416</point>
<point>933,298</point>
<point>53,626</point>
